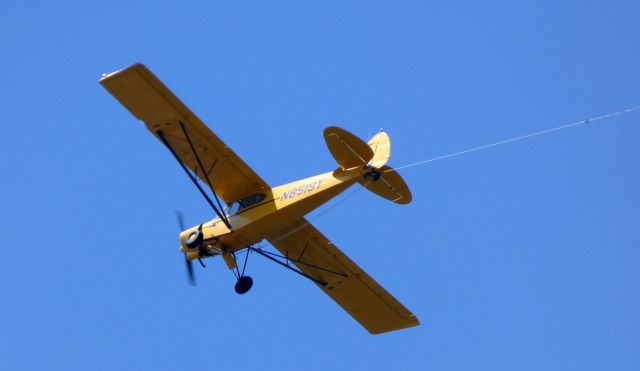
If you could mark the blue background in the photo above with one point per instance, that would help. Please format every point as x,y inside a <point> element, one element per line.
<point>522,256</point>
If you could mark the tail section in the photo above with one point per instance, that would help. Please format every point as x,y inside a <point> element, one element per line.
<point>351,152</point>
<point>381,146</point>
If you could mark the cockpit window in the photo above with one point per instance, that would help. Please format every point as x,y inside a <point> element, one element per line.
<point>243,203</point>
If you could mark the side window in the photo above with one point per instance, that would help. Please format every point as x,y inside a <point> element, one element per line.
<point>245,202</point>
<point>233,208</point>
<point>258,198</point>
<point>236,206</point>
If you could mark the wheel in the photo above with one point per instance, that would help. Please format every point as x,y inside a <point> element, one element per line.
<point>244,285</point>
<point>194,239</point>
<point>374,174</point>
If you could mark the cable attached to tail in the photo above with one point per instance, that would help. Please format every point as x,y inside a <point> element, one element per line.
<point>520,137</point>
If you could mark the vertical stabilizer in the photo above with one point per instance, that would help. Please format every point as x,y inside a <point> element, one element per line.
<point>381,147</point>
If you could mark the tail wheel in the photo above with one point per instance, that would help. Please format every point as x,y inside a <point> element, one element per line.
<point>374,174</point>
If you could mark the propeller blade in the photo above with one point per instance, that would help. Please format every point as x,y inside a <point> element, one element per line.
<point>190,276</point>
<point>180,220</point>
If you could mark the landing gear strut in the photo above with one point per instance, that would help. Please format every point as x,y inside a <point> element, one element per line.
<point>244,283</point>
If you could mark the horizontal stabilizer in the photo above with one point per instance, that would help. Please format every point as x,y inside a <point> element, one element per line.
<point>347,149</point>
<point>390,185</point>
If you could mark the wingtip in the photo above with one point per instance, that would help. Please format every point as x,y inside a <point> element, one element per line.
<point>133,66</point>
<point>406,322</point>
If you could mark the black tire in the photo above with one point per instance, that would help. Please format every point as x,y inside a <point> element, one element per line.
<point>244,285</point>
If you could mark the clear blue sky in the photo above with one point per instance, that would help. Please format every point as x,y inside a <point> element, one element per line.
<point>523,256</point>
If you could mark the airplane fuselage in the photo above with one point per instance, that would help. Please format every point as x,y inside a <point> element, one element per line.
<point>267,218</point>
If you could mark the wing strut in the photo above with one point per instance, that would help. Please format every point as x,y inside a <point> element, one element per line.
<point>321,283</point>
<point>192,177</point>
<point>206,174</point>
<point>270,256</point>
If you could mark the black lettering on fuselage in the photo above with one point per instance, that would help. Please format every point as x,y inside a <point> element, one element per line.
<point>300,190</point>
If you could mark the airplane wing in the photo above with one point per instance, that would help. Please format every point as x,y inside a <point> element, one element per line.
<point>148,99</point>
<point>346,283</point>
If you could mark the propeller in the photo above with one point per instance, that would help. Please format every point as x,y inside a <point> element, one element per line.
<point>180,220</point>
<point>190,276</point>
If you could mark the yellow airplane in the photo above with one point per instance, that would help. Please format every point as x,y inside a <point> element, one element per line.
<point>254,211</point>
